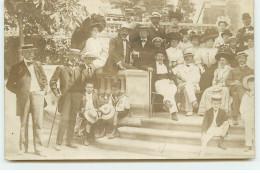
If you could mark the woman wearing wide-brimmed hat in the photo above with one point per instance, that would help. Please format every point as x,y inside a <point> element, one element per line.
<point>94,44</point>
<point>223,56</point>
<point>206,59</point>
<point>223,22</point>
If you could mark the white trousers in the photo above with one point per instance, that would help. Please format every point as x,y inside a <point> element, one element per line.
<point>189,90</point>
<point>168,91</point>
<point>214,131</point>
<point>249,130</point>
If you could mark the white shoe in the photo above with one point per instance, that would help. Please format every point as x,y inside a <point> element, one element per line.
<point>189,113</point>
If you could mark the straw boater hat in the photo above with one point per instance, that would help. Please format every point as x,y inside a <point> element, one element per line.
<point>91,115</point>
<point>188,52</point>
<point>216,98</point>
<point>245,80</point>
<point>129,11</point>
<point>125,26</point>
<point>107,111</point>
<point>155,15</point>
<point>241,53</point>
<point>226,32</point>
<point>225,52</point>
<point>27,47</point>
<point>157,38</point>
<point>75,51</point>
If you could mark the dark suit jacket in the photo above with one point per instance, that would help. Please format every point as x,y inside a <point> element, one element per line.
<point>237,74</point>
<point>88,76</point>
<point>241,36</point>
<point>19,82</point>
<point>208,118</point>
<point>146,54</point>
<point>153,33</point>
<point>155,76</point>
<point>95,100</point>
<point>116,54</point>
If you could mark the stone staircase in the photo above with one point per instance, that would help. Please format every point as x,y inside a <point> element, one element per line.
<point>161,137</point>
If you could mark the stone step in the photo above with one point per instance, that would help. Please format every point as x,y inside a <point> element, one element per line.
<point>177,137</point>
<point>171,151</point>
<point>190,126</point>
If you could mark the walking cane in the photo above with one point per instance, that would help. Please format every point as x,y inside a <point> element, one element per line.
<point>150,70</point>
<point>53,122</point>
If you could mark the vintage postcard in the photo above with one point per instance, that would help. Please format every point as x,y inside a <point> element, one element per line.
<point>129,79</point>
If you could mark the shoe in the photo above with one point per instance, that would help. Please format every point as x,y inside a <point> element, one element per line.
<point>112,135</point>
<point>86,143</point>
<point>222,146</point>
<point>168,104</point>
<point>247,149</point>
<point>103,133</point>
<point>58,147</point>
<point>174,116</point>
<point>235,122</point>
<point>21,152</point>
<point>72,146</point>
<point>195,104</point>
<point>189,113</point>
<point>41,153</point>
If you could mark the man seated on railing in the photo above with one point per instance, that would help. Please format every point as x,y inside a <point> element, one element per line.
<point>163,81</point>
<point>142,50</point>
<point>188,78</point>
<point>119,52</point>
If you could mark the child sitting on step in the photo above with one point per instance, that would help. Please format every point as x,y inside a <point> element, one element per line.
<point>122,107</point>
<point>215,123</point>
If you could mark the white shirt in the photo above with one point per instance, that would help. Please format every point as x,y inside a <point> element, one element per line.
<point>175,54</point>
<point>161,68</point>
<point>124,47</point>
<point>143,42</point>
<point>89,101</point>
<point>34,82</point>
<point>207,56</point>
<point>219,40</point>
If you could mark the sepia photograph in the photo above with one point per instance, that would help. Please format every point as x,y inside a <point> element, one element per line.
<point>129,80</point>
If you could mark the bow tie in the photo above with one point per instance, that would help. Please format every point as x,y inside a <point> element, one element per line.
<point>143,41</point>
<point>160,63</point>
<point>124,39</point>
<point>29,63</point>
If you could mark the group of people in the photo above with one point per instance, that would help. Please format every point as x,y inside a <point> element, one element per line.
<point>215,64</point>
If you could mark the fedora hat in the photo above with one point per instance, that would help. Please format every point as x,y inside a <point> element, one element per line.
<point>155,15</point>
<point>226,32</point>
<point>245,80</point>
<point>91,115</point>
<point>241,53</point>
<point>224,52</point>
<point>107,111</point>
<point>246,16</point>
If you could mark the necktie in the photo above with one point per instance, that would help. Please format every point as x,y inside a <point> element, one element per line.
<point>29,63</point>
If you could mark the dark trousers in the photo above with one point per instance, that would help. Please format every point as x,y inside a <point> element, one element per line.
<point>33,105</point>
<point>237,93</point>
<point>69,112</point>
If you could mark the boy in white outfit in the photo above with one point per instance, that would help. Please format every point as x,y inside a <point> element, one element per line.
<point>247,110</point>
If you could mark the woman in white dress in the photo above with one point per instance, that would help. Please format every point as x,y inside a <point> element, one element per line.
<point>223,56</point>
<point>94,44</point>
<point>206,59</point>
<point>223,22</point>
<point>194,37</point>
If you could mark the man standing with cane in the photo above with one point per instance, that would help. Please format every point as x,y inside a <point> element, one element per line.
<point>28,81</point>
<point>70,97</point>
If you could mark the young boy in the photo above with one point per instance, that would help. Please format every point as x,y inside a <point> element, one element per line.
<point>88,114</point>
<point>163,81</point>
<point>120,101</point>
<point>247,110</point>
<point>215,123</point>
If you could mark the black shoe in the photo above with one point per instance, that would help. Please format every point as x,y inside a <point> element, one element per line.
<point>174,116</point>
<point>72,146</point>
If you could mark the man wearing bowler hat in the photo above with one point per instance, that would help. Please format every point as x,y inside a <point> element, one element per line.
<point>28,81</point>
<point>119,52</point>
<point>234,82</point>
<point>246,18</point>
<point>70,96</point>
<point>155,30</point>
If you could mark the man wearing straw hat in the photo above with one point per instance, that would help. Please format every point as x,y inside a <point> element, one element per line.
<point>234,82</point>
<point>28,81</point>
<point>69,96</point>
<point>155,30</point>
<point>215,123</point>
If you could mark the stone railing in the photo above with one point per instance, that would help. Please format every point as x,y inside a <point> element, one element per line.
<point>134,83</point>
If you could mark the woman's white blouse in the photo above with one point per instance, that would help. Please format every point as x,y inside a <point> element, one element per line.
<point>207,56</point>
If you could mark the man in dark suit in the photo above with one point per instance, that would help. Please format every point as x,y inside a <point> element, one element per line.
<point>234,82</point>
<point>155,30</point>
<point>246,18</point>
<point>142,50</point>
<point>119,52</point>
<point>215,123</point>
<point>28,81</point>
<point>70,95</point>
